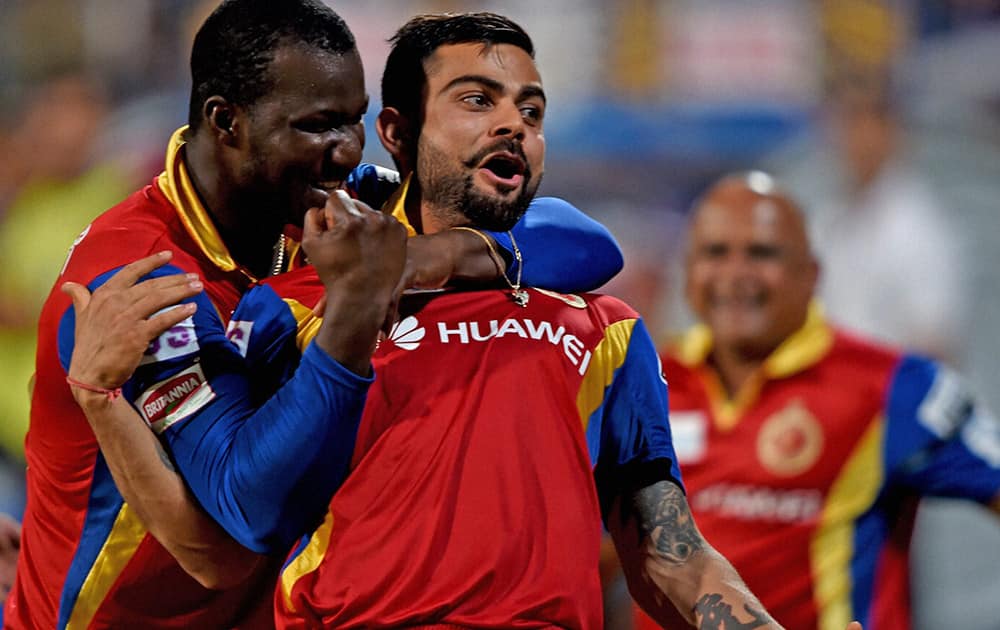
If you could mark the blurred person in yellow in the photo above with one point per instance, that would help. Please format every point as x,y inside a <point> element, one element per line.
<point>805,449</point>
<point>61,184</point>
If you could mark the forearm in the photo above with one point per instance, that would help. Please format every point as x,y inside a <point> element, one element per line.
<point>267,474</point>
<point>351,322</point>
<point>156,492</point>
<point>673,572</point>
<point>706,579</point>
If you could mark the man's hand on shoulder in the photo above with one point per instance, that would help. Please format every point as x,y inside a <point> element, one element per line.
<point>116,323</point>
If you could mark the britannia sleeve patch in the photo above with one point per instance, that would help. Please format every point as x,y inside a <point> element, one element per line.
<point>168,402</point>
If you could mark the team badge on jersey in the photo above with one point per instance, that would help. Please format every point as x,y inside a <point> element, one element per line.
<point>168,402</point>
<point>790,441</point>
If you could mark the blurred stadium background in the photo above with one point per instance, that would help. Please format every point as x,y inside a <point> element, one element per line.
<point>862,106</point>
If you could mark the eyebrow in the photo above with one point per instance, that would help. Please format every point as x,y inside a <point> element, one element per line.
<point>527,91</point>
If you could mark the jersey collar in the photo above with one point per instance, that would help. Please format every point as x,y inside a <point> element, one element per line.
<point>175,183</point>
<point>396,205</point>
<point>803,348</point>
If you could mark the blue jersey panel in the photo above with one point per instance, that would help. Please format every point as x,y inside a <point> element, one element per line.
<point>940,440</point>
<point>631,427</point>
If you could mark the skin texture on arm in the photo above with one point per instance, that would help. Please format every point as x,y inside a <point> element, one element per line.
<point>672,572</point>
<point>10,547</point>
<point>118,316</point>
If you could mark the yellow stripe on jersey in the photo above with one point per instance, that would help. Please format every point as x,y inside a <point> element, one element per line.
<point>308,323</point>
<point>609,355</point>
<point>175,184</point>
<point>307,561</point>
<point>800,351</point>
<point>832,546</point>
<point>126,534</point>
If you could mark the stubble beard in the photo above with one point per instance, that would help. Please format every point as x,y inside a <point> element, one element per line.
<point>453,197</point>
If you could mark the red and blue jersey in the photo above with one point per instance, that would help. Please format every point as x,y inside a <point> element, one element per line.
<point>262,466</point>
<point>85,560</point>
<point>807,480</point>
<point>471,498</point>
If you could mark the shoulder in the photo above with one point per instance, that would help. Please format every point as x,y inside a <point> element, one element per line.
<point>136,227</point>
<point>860,358</point>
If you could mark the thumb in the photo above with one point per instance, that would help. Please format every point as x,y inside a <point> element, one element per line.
<point>78,293</point>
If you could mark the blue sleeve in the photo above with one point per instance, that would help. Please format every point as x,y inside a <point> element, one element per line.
<point>563,249</point>
<point>629,434</point>
<point>940,440</point>
<point>266,475</point>
<point>372,184</point>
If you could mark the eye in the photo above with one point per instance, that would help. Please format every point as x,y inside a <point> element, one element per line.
<point>325,124</point>
<point>478,100</point>
<point>313,126</point>
<point>532,113</point>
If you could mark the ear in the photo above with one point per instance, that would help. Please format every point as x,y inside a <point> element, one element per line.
<point>396,134</point>
<point>221,118</point>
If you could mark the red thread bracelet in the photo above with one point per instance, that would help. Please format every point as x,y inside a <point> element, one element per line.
<point>110,393</point>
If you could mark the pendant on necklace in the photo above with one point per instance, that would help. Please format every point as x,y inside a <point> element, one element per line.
<point>520,297</point>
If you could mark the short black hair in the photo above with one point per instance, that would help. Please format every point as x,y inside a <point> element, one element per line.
<point>236,44</point>
<point>404,79</point>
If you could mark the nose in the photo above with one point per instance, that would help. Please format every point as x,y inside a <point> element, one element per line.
<point>508,121</point>
<point>345,148</point>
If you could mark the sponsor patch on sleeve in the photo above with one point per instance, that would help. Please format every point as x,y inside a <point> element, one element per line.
<point>238,334</point>
<point>181,340</point>
<point>168,402</point>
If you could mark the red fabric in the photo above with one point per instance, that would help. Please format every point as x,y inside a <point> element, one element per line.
<point>472,500</point>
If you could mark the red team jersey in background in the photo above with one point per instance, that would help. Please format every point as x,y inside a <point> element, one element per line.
<point>471,499</point>
<point>808,480</point>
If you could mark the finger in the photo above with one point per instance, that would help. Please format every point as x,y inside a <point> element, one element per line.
<point>348,203</point>
<point>320,307</point>
<point>78,293</point>
<point>312,224</point>
<point>339,207</point>
<point>152,296</point>
<point>164,321</point>
<point>130,273</point>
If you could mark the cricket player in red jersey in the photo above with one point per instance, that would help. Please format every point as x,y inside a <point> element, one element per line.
<point>805,449</point>
<point>275,126</point>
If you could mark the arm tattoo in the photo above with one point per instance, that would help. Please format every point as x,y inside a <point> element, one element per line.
<point>664,517</point>
<point>718,615</point>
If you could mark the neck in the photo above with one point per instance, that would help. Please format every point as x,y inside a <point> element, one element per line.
<point>735,367</point>
<point>250,245</point>
<point>427,217</point>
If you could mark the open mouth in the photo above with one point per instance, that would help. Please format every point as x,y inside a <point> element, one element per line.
<point>506,168</point>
